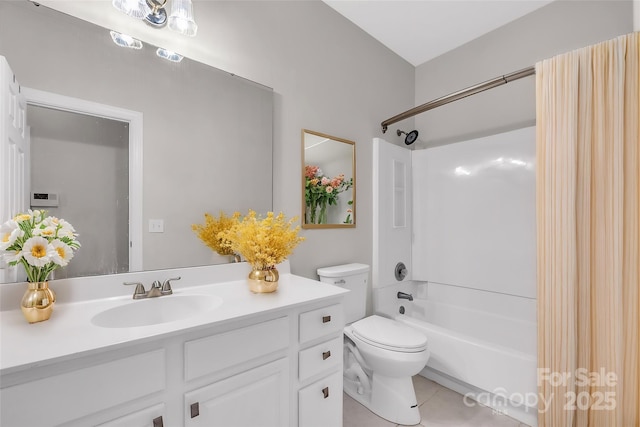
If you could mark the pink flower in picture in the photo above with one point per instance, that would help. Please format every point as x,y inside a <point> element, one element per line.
<point>311,171</point>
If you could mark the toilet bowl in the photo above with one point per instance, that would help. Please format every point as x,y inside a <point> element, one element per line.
<point>389,354</point>
<point>380,354</point>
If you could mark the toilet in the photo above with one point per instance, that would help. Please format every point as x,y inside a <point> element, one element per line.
<point>380,354</point>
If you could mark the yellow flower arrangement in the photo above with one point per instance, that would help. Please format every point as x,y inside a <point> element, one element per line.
<point>212,232</point>
<point>263,242</point>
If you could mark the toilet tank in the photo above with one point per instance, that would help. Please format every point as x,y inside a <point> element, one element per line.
<point>354,278</point>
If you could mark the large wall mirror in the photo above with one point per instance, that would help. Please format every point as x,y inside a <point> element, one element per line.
<point>206,140</point>
<point>328,181</point>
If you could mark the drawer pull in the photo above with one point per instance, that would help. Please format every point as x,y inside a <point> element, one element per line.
<point>325,392</point>
<point>195,409</point>
<point>157,422</point>
<point>326,354</point>
<point>326,319</point>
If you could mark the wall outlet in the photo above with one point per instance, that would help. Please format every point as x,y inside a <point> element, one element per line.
<point>156,226</point>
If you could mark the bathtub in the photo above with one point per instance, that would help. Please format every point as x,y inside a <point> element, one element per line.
<point>482,344</point>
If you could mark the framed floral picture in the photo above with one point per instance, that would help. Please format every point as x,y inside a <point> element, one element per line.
<point>328,181</point>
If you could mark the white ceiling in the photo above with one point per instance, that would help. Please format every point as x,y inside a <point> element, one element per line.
<point>420,30</point>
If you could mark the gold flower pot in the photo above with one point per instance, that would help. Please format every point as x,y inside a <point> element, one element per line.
<point>263,281</point>
<point>37,302</point>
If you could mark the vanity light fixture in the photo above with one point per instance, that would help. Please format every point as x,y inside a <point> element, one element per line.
<point>125,40</point>
<point>153,12</point>
<point>168,55</point>
<point>157,17</point>
<point>134,8</point>
<point>181,18</point>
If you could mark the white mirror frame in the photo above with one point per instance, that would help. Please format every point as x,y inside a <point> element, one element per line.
<point>134,118</point>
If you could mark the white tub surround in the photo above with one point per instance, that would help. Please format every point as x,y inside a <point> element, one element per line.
<point>273,358</point>
<point>474,264</point>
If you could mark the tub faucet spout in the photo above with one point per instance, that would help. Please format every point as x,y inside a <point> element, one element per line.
<point>402,295</point>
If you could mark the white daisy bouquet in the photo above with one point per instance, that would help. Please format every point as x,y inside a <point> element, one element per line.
<point>40,243</point>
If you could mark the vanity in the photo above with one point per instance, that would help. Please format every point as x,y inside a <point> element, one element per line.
<point>211,354</point>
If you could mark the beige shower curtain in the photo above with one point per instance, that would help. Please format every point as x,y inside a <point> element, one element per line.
<point>588,235</point>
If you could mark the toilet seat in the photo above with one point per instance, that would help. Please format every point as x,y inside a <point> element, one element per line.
<point>389,334</point>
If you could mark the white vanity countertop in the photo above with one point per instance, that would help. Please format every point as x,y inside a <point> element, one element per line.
<point>69,333</point>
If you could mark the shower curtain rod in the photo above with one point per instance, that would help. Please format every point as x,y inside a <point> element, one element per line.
<point>489,84</point>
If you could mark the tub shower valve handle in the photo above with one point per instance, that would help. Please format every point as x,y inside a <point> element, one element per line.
<point>400,271</point>
<point>166,286</point>
<point>402,295</point>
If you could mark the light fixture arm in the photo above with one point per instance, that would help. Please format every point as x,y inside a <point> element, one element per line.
<point>158,16</point>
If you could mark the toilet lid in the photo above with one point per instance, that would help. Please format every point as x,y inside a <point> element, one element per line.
<point>388,333</point>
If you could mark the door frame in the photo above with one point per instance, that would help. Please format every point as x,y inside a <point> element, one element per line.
<point>134,118</point>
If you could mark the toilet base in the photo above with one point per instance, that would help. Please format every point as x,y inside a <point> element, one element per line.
<point>393,399</point>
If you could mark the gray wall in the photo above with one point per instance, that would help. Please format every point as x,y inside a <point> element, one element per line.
<point>330,77</point>
<point>86,161</point>
<point>559,27</point>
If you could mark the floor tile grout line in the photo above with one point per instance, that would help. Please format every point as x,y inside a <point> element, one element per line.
<point>439,389</point>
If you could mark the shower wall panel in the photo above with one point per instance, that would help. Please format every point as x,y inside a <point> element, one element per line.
<point>392,222</point>
<point>474,214</point>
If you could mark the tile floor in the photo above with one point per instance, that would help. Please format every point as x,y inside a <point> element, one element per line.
<point>439,407</point>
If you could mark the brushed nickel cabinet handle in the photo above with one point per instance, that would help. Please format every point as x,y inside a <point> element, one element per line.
<point>157,422</point>
<point>326,319</point>
<point>325,392</point>
<point>326,354</point>
<point>195,409</point>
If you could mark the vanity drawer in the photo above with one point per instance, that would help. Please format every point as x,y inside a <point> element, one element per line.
<point>320,404</point>
<point>319,358</point>
<point>320,322</point>
<point>72,395</point>
<point>218,352</point>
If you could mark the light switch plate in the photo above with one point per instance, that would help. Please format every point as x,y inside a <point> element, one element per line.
<point>156,226</point>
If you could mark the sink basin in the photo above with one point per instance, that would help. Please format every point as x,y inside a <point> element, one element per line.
<point>154,311</point>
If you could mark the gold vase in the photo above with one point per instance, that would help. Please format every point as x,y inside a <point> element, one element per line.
<point>263,281</point>
<point>37,302</point>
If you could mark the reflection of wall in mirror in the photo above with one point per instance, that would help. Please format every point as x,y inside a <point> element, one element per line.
<point>207,134</point>
<point>85,160</point>
<point>334,158</point>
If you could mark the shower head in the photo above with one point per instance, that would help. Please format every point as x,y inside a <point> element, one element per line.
<point>410,138</point>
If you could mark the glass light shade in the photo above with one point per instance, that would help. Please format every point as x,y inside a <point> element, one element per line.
<point>168,55</point>
<point>125,40</point>
<point>135,8</point>
<point>181,18</point>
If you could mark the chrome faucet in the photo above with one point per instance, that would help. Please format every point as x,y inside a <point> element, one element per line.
<point>156,289</point>
<point>402,295</point>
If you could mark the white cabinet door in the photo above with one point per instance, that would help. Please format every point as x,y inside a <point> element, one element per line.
<point>255,398</point>
<point>67,397</point>
<point>147,417</point>
<point>320,404</point>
